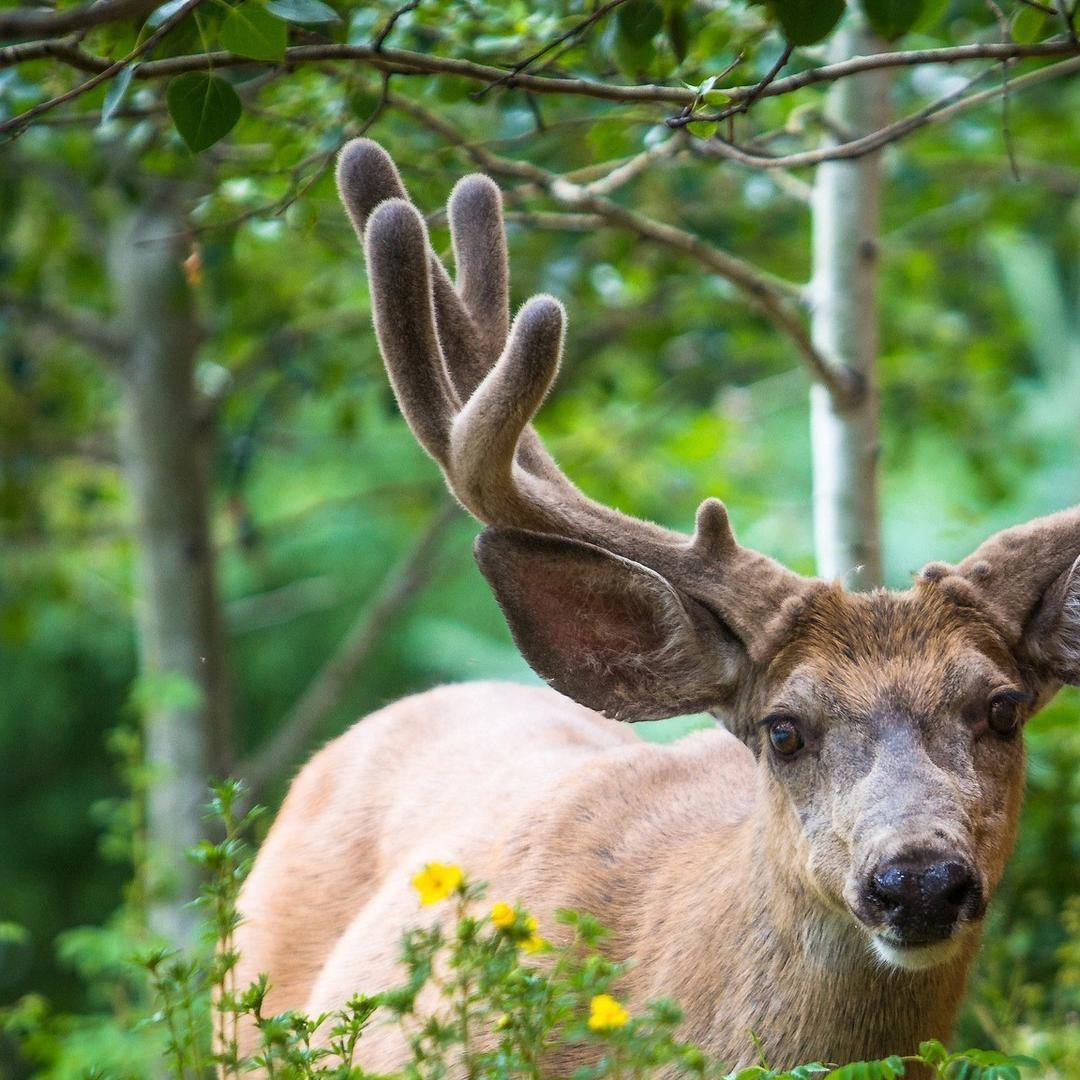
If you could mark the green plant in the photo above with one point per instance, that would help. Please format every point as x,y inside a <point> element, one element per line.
<point>485,996</point>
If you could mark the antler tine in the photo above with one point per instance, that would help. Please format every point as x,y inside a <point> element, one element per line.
<point>485,435</point>
<point>399,270</point>
<point>367,176</point>
<point>476,228</point>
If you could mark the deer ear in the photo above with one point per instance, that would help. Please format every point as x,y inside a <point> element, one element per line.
<point>606,631</point>
<point>1053,634</point>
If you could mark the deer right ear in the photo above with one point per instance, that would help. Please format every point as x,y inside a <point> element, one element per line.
<point>606,631</point>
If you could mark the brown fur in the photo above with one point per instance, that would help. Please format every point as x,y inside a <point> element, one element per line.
<point>745,883</point>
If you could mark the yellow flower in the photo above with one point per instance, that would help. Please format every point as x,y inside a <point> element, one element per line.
<point>534,942</point>
<point>436,882</point>
<point>606,1014</point>
<point>503,916</point>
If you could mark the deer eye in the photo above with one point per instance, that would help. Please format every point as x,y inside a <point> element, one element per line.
<point>1003,712</point>
<point>784,735</point>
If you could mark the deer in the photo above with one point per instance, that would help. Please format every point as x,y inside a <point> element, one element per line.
<point>814,869</point>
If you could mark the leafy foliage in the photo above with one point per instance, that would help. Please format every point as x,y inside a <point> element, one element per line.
<point>481,992</point>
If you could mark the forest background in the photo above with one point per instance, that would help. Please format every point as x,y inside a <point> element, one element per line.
<point>315,568</point>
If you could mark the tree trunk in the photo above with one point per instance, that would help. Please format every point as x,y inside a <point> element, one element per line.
<point>166,457</point>
<point>844,437</point>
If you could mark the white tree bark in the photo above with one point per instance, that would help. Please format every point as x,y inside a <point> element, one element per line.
<point>844,436</point>
<point>165,448</point>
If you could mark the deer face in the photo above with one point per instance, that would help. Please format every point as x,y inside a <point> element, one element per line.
<point>891,733</point>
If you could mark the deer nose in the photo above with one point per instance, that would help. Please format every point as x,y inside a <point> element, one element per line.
<point>923,897</point>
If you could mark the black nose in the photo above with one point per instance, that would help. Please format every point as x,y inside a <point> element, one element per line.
<point>923,897</point>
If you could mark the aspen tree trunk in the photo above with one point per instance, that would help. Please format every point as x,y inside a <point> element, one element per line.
<point>844,436</point>
<point>165,448</point>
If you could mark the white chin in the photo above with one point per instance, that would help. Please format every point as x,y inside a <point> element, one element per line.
<point>915,957</point>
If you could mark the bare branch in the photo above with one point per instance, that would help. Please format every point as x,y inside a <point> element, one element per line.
<point>45,22</point>
<point>325,690</point>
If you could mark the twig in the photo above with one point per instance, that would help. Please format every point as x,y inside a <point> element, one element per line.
<point>43,22</point>
<point>388,29</point>
<point>771,295</point>
<point>324,691</point>
<point>685,118</point>
<point>635,166</point>
<point>574,31</point>
<point>20,122</point>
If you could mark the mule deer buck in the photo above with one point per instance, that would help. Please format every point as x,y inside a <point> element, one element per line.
<point>814,870</point>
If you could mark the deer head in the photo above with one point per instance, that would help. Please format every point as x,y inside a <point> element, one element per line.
<point>886,726</point>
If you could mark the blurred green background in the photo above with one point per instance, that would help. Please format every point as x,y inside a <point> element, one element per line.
<point>671,390</point>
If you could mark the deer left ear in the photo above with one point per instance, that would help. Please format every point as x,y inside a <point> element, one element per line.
<point>609,632</point>
<point>1052,636</point>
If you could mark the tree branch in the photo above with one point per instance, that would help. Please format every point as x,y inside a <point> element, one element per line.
<point>45,22</point>
<point>402,61</point>
<point>329,684</point>
<point>944,108</point>
<point>66,51</point>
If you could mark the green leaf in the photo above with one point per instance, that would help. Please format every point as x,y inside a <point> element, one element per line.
<point>250,30</point>
<point>933,11</point>
<point>114,95</point>
<point>633,58</point>
<point>702,129</point>
<point>892,18</point>
<point>639,21</point>
<point>678,33</point>
<point>932,1052</point>
<point>805,22</point>
<point>716,99</point>
<point>203,107</point>
<point>1028,25</point>
<point>303,11</point>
